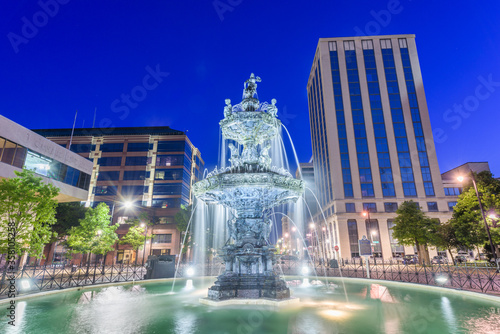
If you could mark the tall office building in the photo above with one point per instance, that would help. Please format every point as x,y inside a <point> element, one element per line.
<point>153,167</point>
<point>372,139</point>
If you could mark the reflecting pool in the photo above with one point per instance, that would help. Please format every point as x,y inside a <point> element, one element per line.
<point>151,307</point>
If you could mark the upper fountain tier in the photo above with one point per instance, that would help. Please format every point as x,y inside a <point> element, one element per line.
<point>250,123</point>
<point>251,184</point>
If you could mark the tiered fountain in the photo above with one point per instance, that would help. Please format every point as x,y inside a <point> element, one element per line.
<point>250,187</point>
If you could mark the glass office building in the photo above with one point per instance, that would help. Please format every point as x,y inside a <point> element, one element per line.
<point>372,140</point>
<point>153,167</point>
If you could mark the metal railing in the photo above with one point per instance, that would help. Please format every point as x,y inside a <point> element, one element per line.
<point>31,279</point>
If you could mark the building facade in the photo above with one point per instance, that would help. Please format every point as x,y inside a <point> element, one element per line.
<point>372,140</point>
<point>21,148</point>
<point>151,167</point>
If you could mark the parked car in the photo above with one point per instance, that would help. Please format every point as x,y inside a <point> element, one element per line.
<point>461,259</point>
<point>410,259</point>
<point>439,260</point>
<point>482,257</point>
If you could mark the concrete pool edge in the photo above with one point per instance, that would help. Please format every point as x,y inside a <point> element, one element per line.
<point>471,294</point>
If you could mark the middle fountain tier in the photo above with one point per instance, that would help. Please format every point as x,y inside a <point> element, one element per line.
<point>251,187</point>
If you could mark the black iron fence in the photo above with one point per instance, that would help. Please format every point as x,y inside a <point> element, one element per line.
<point>31,279</point>
<point>44,278</point>
<point>475,278</point>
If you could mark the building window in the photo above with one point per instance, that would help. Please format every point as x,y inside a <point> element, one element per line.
<point>451,205</point>
<point>171,146</point>
<point>135,175</point>
<point>352,228</point>
<point>133,190</point>
<point>162,239</point>
<point>367,45</point>
<point>409,189</point>
<point>452,191</point>
<point>80,148</point>
<point>350,207</point>
<point>370,207</point>
<point>374,235</point>
<point>397,249</point>
<point>108,176</point>
<point>391,206</point>
<point>166,203</point>
<point>159,252</point>
<point>367,190</point>
<point>105,190</point>
<point>111,147</point>
<point>136,161</point>
<point>385,44</point>
<point>9,150</point>
<point>332,46</point>
<point>139,147</point>
<point>168,174</point>
<point>167,189</point>
<point>169,160</point>
<point>402,43</point>
<point>110,161</point>
<point>432,206</point>
<point>349,45</point>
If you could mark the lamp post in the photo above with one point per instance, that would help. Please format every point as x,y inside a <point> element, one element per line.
<point>145,238</point>
<point>493,249</point>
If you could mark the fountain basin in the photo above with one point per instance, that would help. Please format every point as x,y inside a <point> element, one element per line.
<point>149,307</point>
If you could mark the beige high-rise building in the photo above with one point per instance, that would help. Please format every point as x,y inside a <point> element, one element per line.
<point>372,140</point>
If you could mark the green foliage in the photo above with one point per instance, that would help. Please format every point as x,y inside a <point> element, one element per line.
<point>94,234</point>
<point>413,227</point>
<point>446,238</point>
<point>27,209</point>
<point>182,219</point>
<point>67,216</point>
<point>135,237</point>
<point>467,219</point>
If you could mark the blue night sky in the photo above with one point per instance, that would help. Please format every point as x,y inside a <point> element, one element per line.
<point>88,55</point>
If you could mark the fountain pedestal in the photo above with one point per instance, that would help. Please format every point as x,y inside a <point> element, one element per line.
<point>249,274</point>
<point>251,188</point>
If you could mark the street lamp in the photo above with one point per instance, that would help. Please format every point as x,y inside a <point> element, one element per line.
<point>145,238</point>
<point>493,249</point>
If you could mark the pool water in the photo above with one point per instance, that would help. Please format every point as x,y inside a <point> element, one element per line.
<point>370,307</point>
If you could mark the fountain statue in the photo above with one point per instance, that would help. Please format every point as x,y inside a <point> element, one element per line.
<point>251,187</point>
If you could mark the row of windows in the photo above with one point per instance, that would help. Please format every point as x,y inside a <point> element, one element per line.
<point>452,191</point>
<point>320,147</point>
<point>341,128</point>
<point>112,190</point>
<point>21,157</point>
<point>405,165</point>
<point>417,123</point>
<point>127,175</point>
<point>383,155</point>
<point>388,207</point>
<point>161,160</point>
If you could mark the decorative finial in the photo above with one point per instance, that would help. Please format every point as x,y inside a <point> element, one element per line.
<point>228,108</point>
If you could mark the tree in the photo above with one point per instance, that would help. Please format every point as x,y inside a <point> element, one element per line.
<point>182,219</point>
<point>94,234</point>
<point>27,211</point>
<point>68,215</point>
<point>445,237</point>
<point>467,219</point>
<point>136,234</point>
<point>413,227</point>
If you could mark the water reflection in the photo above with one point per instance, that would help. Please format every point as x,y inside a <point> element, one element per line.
<point>111,310</point>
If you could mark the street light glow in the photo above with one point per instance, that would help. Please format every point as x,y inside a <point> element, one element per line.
<point>364,213</point>
<point>460,178</point>
<point>311,225</point>
<point>492,216</point>
<point>128,204</point>
<point>99,232</point>
<point>294,229</point>
<point>286,235</point>
<point>142,224</point>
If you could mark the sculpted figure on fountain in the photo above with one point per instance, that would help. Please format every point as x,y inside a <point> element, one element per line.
<point>228,109</point>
